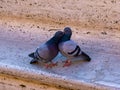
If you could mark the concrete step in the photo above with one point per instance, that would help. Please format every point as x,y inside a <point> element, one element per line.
<point>8,82</point>
<point>19,38</point>
<point>24,24</point>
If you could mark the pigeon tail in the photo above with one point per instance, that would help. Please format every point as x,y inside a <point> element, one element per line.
<point>33,61</point>
<point>86,56</point>
<point>31,55</point>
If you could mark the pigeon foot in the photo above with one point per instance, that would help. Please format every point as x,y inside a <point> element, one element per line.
<point>67,63</point>
<point>50,65</point>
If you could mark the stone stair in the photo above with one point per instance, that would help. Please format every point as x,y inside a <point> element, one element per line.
<point>26,24</point>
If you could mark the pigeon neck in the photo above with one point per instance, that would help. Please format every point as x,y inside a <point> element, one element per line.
<point>53,40</point>
<point>65,38</point>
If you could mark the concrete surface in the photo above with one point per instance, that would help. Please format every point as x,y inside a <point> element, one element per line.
<point>24,24</point>
<point>18,39</point>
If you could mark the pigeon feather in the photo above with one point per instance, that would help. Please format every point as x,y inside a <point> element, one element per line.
<point>46,52</point>
<point>69,48</point>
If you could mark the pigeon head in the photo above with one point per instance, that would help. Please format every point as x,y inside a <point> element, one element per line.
<point>58,34</point>
<point>67,31</point>
<point>56,38</point>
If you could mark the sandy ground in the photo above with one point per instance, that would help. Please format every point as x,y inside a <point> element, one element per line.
<point>18,38</point>
<point>10,83</point>
<point>81,13</point>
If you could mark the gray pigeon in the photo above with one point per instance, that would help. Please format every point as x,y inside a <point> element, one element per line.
<point>69,48</point>
<point>47,51</point>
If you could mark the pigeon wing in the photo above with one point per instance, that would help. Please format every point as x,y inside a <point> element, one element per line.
<point>42,52</point>
<point>68,48</point>
<point>47,52</point>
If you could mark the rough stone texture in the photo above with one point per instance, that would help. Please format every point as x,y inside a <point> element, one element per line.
<point>24,24</point>
<point>12,83</point>
<point>82,13</point>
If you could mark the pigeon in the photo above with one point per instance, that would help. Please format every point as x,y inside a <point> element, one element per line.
<point>47,51</point>
<point>69,48</point>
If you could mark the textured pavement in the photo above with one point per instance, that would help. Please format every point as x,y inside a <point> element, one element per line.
<point>18,39</point>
